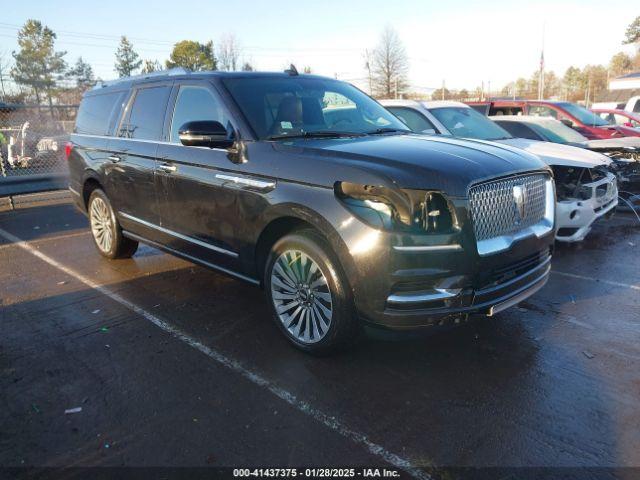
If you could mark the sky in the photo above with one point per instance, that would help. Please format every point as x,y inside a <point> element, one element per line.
<point>460,42</point>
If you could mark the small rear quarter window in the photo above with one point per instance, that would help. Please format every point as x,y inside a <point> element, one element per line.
<point>95,113</point>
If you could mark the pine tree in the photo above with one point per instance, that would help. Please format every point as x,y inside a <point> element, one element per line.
<point>127,60</point>
<point>37,63</point>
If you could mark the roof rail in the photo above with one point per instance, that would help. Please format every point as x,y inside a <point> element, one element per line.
<point>143,76</point>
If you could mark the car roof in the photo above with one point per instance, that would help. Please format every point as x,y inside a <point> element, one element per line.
<point>182,74</point>
<point>443,104</point>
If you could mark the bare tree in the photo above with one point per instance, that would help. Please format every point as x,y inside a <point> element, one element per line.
<point>5,65</point>
<point>390,65</point>
<point>228,52</point>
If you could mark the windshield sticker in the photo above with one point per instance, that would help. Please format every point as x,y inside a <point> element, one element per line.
<point>286,125</point>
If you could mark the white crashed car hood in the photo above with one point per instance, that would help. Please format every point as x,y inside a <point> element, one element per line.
<point>557,154</point>
<point>614,142</point>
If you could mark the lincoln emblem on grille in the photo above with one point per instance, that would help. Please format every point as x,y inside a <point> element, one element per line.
<point>519,200</point>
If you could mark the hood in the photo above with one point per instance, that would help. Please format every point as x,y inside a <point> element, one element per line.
<point>620,142</point>
<point>558,154</point>
<point>411,161</point>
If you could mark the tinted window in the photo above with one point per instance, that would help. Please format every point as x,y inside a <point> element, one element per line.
<point>518,130</point>
<point>413,119</point>
<point>147,114</point>
<point>467,123</point>
<point>292,106</point>
<point>195,103</point>
<point>480,108</point>
<point>95,113</point>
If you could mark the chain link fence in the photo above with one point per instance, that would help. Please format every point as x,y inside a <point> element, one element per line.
<point>32,147</point>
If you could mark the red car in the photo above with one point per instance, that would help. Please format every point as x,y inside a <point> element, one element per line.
<point>619,117</point>
<point>575,116</point>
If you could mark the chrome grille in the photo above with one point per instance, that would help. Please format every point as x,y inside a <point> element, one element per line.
<point>494,210</point>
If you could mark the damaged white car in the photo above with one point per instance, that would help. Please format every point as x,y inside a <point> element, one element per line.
<point>586,189</point>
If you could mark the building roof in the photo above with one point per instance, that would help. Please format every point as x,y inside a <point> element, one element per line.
<point>633,75</point>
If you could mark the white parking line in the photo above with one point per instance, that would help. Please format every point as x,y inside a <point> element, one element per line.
<point>599,280</point>
<point>304,407</point>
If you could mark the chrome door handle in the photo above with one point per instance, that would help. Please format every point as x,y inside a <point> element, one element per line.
<point>165,167</point>
<point>115,158</point>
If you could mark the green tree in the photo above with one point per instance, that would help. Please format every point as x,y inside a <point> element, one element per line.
<point>82,74</point>
<point>632,35</point>
<point>521,87</point>
<point>149,66</point>
<point>620,63</point>
<point>573,83</point>
<point>463,94</point>
<point>247,67</point>
<point>127,60</point>
<point>437,94</point>
<point>37,63</point>
<point>192,55</point>
<point>596,78</point>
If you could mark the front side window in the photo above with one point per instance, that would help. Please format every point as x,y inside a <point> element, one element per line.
<point>467,123</point>
<point>147,114</point>
<point>558,132</point>
<point>518,130</point>
<point>278,107</point>
<point>193,104</point>
<point>413,119</point>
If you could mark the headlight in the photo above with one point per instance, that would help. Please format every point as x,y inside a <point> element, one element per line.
<point>415,211</point>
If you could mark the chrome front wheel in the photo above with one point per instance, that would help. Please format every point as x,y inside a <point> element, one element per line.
<point>301,296</point>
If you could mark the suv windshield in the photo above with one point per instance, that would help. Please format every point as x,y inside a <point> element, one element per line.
<point>282,107</point>
<point>467,122</point>
<point>557,132</point>
<point>585,116</point>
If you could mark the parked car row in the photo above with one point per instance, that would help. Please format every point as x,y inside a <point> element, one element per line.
<point>553,122</point>
<point>585,189</point>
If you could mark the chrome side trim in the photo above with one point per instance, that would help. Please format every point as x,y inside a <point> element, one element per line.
<point>178,235</point>
<point>525,293</point>
<point>177,253</point>
<point>157,142</point>
<point>427,248</point>
<point>420,297</point>
<point>249,182</point>
<point>75,192</point>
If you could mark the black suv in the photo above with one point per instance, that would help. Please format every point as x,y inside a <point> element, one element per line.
<point>307,187</point>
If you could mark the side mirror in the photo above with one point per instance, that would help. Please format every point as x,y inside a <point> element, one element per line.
<point>567,122</point>
<point>628,124</point>
<point>429,131</point>
<point>204,133</point>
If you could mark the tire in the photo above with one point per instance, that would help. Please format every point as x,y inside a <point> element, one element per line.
<point>301,294</point>
<point>105,229</point>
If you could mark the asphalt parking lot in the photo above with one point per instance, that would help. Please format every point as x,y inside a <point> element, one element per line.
<point>175,365</point>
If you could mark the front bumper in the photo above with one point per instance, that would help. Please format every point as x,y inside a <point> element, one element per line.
<point>575,217</point>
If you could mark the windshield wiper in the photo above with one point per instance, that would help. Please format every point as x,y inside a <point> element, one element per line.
<point>317,134</point>
<point>380,131</point>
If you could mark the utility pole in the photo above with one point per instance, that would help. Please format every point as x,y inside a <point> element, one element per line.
<point>541,78</point>
<point>368,67</point>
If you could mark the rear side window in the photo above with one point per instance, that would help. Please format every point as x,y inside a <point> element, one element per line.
<point>414,120</point>
<point>146,118</point>
<point>195,103</point>
<point>95,113</point>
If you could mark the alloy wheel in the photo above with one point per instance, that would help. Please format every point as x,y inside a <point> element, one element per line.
<point>301,296</point>
<point>101,224</point>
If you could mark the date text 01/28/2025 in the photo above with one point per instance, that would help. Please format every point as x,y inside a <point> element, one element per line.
<point>316,472</point>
